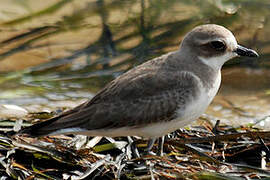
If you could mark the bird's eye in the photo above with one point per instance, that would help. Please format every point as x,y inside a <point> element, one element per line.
<point>218,45</point>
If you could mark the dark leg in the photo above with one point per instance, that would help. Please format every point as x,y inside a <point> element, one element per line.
<point>150,144</point>
<point>133,147</point>
<point>160,145</point>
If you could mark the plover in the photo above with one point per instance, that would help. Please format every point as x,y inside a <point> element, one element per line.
<point>158,96</point>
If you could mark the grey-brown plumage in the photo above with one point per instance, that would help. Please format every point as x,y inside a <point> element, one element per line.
<point>160,93</point>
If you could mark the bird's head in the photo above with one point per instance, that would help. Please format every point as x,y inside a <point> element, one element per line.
<point>214,45</point>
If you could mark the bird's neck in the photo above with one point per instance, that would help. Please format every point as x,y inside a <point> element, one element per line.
<point>213,62</point>
<point>188,62</point>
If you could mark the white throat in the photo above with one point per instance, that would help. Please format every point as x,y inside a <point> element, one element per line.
<point>217,62</point>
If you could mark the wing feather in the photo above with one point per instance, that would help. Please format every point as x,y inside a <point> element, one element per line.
<point>138,97</point>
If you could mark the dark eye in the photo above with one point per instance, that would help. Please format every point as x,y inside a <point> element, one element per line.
<point>218,45</point>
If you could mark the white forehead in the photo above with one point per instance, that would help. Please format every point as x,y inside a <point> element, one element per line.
<point>231,41</point>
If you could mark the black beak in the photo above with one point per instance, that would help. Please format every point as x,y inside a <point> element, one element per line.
<point>242,51</point>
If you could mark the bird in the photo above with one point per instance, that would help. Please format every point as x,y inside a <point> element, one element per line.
<point>156,97</point>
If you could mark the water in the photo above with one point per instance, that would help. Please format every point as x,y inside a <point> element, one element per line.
<point>57,54</point>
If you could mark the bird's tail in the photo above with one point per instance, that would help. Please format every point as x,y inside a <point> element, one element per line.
<point>39,129</point>
<point>67,122</point>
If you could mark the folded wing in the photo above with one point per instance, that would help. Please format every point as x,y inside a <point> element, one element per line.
<point>139,97</point>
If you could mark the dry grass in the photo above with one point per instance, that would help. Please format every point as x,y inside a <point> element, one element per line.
<point>203,152</point>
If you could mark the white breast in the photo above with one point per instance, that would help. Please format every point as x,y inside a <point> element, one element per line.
<point>198,106</point>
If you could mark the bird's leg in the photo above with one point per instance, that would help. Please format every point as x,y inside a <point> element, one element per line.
<point>160,145</point>
<point>150,144</point>
<point>133,147</point>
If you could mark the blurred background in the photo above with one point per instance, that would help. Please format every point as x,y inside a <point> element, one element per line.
<point>56,54</point>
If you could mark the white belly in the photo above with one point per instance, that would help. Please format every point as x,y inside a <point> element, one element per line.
<point>194,110</point>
